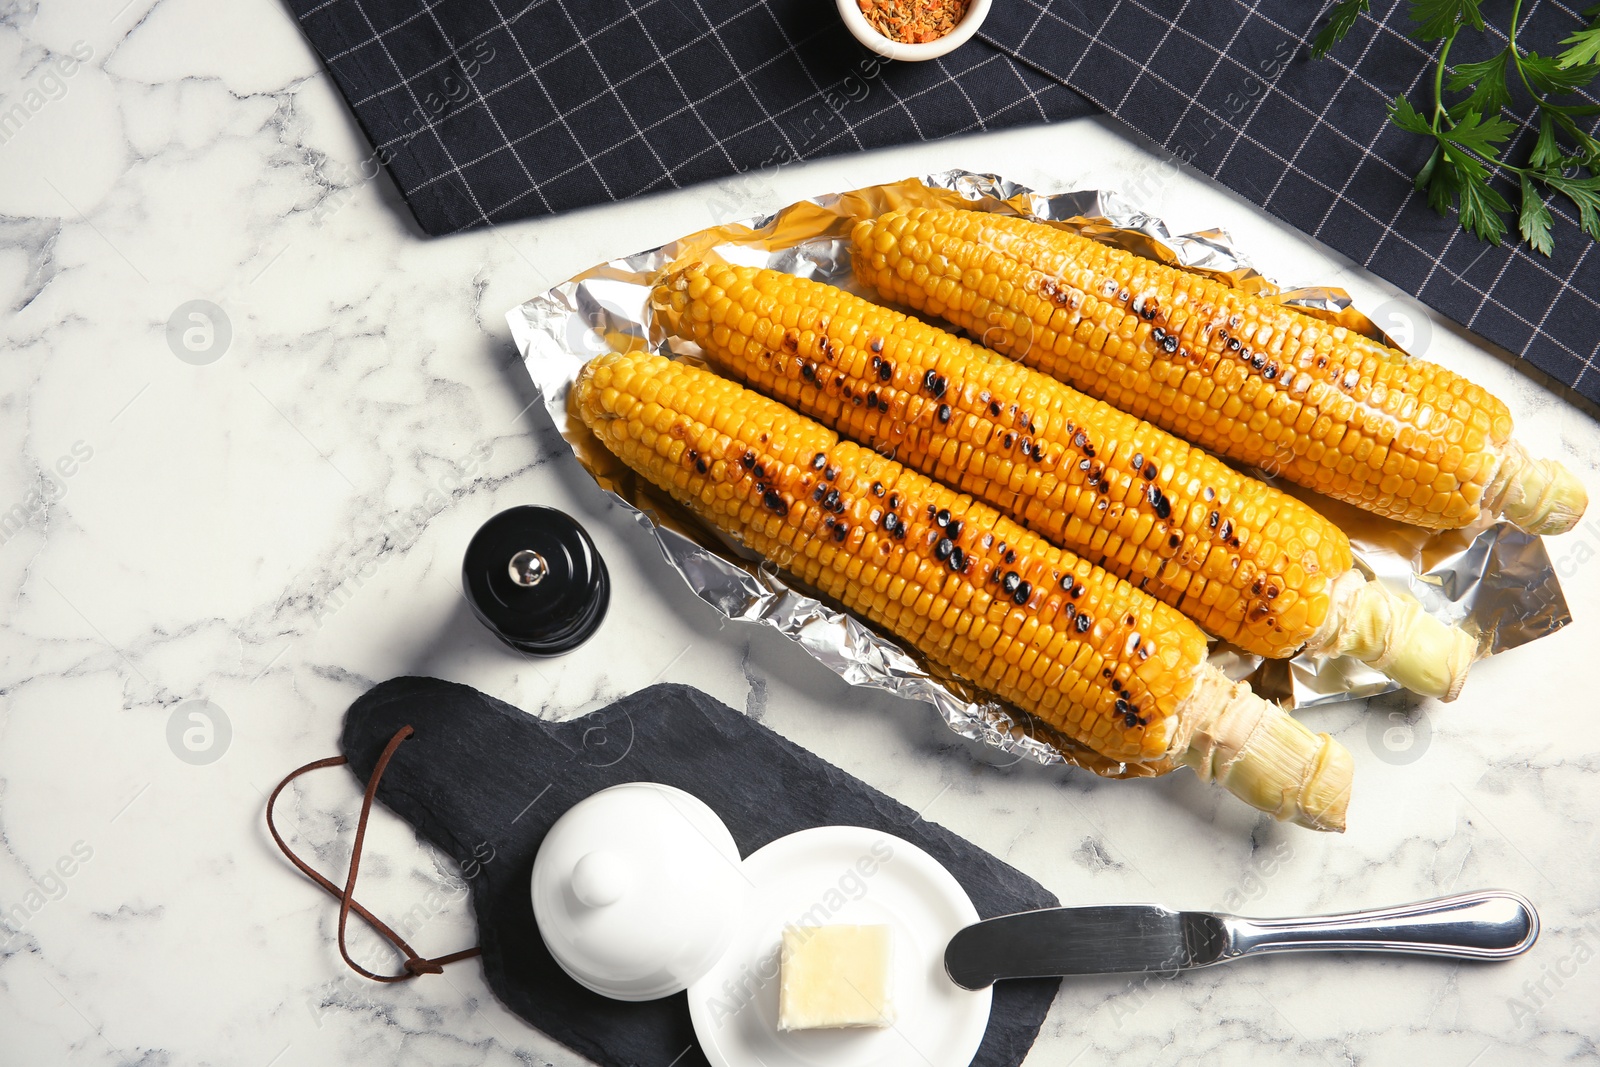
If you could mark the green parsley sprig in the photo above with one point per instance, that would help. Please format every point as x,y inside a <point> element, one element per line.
<point>1470,132</point>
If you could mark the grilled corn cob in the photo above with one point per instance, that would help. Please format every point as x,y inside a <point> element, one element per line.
<point>989,601</point>
<point>1252,380</point>
<point>1250,564</point>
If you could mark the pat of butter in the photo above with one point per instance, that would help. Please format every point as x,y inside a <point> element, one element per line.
<point>835,976</point>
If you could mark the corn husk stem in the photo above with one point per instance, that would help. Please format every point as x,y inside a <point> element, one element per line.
<point>1264,756</point>
<point>1537,495</point>
<point>1391,632</point>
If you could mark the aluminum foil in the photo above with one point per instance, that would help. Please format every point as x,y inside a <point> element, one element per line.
<point>1491,579</point>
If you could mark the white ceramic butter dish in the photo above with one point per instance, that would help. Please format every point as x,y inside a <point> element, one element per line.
<point>639,893</point>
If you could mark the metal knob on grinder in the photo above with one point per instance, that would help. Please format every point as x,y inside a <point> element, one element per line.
<point>534,577</point>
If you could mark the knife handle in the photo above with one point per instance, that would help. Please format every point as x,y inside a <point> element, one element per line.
<point>1490,925</point>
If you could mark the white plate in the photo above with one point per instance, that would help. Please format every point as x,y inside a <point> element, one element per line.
<point>832,875</point>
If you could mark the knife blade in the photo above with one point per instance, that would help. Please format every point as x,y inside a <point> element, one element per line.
<point>1101,939</point>
<point>1112,938</point>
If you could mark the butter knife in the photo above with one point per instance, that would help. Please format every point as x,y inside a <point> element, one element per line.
<point>1112,938</point>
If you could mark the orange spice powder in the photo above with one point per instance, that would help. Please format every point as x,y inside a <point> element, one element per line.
<point>913,21</point>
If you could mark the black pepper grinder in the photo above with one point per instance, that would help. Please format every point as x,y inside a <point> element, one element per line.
<point>534,577</point>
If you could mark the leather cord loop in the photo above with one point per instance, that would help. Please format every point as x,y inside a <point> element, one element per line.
<point>414,964</point>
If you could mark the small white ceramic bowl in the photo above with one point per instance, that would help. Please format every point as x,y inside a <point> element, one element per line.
<point>850,11</point>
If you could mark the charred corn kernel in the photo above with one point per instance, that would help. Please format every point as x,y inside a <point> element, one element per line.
<point>1138,334</point>
<point>1226,550</point>
<point>1134,683</point>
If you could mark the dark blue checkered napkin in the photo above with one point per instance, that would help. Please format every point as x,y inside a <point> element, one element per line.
<point>493,110</point>
<point>489,111</point>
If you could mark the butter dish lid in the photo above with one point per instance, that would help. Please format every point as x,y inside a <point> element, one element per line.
<point>635,890</point>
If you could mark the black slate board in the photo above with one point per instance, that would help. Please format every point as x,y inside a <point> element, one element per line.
<point>484,781</point>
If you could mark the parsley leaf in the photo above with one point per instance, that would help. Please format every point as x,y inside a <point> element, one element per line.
<point>1405,116</point>
<point>1585,48</point>
<point>1439,18</point>
<point>1340,22</point>
<point>1444,183</point>
<point>1588,147</point>
<point>1546,152</point>
<point>1555,74</point>
<point>1481,205</point>
<point>1486,80</point>
<point>1425,175</point>
<point>1583,192</point>
<point>1533,221</point>
<point>1480,135</point>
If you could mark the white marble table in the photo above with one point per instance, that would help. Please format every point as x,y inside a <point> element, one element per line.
<point>278,529</point>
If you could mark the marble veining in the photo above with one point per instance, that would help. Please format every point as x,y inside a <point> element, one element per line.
<point>209,550</point>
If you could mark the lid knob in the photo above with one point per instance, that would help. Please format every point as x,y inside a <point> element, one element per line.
<point>534,577</point>
<point>601,878</point>
<point>528,568</point>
